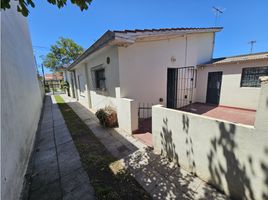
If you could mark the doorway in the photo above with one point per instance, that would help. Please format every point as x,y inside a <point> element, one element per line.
<point>172,80</point>
<point>214,87</point>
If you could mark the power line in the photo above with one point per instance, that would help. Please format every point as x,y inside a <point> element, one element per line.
<point>40,47</point>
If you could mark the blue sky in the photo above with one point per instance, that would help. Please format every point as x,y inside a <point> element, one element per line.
<point>242,20</point>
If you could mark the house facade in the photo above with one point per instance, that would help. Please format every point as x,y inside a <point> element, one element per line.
<point>238,77</point>
<point>54,81</point>
<point>133,64</point>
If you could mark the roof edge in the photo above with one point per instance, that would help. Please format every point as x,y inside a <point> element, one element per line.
<point>102,41</point>
<point>215,60</point>
<point>111,35</point>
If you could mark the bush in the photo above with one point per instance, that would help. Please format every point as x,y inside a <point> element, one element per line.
<point>107,117</point>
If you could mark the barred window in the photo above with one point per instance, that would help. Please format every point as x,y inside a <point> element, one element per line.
<point>250,76</point>
<point>100,79</point>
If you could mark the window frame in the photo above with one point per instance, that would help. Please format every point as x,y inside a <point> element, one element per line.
<point>245,74</point>
<point>81,87</point>
<point>98,79</point>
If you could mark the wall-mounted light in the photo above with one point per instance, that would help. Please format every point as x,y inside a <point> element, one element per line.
<point>173,59</point>
<point>108,60</point>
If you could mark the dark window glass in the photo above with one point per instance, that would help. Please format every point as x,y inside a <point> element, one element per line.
<point>100,78</point>
<point>250,76</point>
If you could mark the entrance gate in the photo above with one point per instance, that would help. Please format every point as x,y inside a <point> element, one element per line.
<point>180,86</point>
<point>145,117</point>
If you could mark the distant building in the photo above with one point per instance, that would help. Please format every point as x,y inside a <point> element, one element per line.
<point>54,81</point>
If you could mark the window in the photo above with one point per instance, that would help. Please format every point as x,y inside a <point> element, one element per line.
<point>81,85</point>
<point>100,78</point>
<point>250,76</point>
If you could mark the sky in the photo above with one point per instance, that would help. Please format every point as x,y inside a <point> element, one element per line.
<point>242,21</point>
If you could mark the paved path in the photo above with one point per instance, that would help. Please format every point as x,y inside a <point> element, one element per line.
<point>55,168</point>
<point>159,177</point>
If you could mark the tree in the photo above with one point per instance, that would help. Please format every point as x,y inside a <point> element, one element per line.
<point>23,4</point>
<point>61,54</point>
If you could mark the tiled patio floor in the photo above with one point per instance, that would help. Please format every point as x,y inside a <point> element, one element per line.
<point>234,115</point>
<point>144,134</point>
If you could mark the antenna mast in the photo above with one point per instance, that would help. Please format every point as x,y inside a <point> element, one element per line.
<point>217,11</point>
<point>252,42</point>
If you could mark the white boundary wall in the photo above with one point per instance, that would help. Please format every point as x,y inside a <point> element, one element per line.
<point>233,157</point>
<point>21,101</point>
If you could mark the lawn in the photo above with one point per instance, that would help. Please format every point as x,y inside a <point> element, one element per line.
<point>96,160</point>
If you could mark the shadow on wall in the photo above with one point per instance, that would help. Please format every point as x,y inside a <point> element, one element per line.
<point>167,144</point>
<point>189,144</point>
<point>264,167</point>
<point>227,170</point>
<point>235,175</point>
<point>169,148</point>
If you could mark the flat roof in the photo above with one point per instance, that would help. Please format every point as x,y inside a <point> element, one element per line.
<point>237,58</point>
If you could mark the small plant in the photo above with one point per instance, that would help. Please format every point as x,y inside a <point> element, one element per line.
<point>107,117</point>
<point>66,87</point>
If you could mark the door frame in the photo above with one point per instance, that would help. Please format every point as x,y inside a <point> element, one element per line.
<point>215,72</point>
<point>175,79</point>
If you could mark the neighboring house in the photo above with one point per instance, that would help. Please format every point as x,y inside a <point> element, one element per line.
<point>134,64</point>
<point>21,101</point>
<point>236,79</point>
<point>54,81</point>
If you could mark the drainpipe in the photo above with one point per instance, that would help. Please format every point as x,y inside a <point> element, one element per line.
<point>88,86</point>
<point>75,84</point>
<point>186,49</point>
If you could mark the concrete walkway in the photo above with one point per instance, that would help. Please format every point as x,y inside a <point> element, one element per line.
<point>55,169</point>
<point>159,177</point>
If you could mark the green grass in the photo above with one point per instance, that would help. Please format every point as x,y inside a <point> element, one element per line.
<point>96,160</point>
<point>59,99</point>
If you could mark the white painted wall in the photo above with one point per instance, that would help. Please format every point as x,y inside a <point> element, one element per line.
<point>127,114</point>
<point>82,86</point>
<point>100,99</point>
<point>232,157</point>
<point>231,93</point>
<point>21,101</point>
<point>143,65</point>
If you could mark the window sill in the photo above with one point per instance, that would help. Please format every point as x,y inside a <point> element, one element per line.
<point>251,88</point>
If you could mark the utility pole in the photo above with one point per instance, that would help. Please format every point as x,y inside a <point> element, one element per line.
<point>44,81</point>
<point>217,11</point>
<point>252,42</point>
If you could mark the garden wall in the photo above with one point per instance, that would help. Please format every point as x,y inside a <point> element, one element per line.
<point>232,157</point>
<point>21,101</point>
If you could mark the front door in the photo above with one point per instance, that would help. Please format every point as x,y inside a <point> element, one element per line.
<point>214,87</point>
<point>172,79</point>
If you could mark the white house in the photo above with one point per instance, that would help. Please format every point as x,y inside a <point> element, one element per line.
<point>175,68</point>
<point>125,68</point>
<point>238,77</point>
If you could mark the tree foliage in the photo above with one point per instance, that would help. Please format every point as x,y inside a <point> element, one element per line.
<point>23,4</point>
<point>61,54</point>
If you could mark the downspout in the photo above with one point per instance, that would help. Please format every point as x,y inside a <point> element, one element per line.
<point>213,45</point>
<point>88,87</point>
<point>186,50</point>
<point>75,83</point>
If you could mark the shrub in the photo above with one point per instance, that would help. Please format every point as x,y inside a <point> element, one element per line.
<point>107,117</point>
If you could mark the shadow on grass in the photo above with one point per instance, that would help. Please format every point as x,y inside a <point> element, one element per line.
<point>96,160</point>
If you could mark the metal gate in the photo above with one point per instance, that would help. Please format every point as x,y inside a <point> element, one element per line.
<point>145,117</point>
<point>183,84</point>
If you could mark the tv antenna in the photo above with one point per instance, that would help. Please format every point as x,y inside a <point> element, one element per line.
<point>218,11</point>
<point>252,42</point>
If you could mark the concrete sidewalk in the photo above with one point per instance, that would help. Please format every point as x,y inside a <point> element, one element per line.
<point>159,177</point>
<point>55,171</point>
